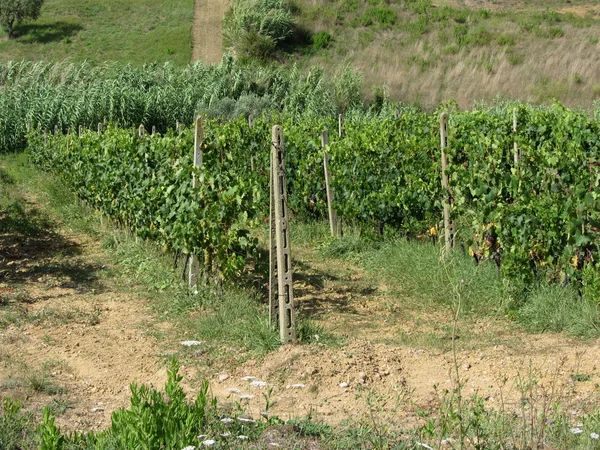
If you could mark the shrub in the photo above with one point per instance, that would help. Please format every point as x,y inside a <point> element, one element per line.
<point>507,39</point>
<point>321,40</point>
<point>254,28</point>
<point>556,32</point>
<point>384,16</point>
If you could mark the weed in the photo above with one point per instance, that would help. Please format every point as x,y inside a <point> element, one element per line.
<point>16,426</point>
<point>39,382</point>
<point>59,406</point>
<point>507,39</point>
<point>309,332</point>
<point>556,32</point>
<point>580,377</point>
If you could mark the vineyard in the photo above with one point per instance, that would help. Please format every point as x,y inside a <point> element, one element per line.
<point>537,217</point>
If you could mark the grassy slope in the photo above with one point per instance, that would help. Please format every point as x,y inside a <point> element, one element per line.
<point>462,50</point>
<point>134,31</point>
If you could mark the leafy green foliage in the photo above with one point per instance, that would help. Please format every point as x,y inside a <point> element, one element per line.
<point>254,28</point>
<point>145,184</point>
<point>536,218</point>
<point>157,420</point>
<point>321,40</point>
<point>15,426</point>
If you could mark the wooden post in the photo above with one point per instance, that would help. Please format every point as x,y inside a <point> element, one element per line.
<point>55,130</point>
<point>445,184</point>
<point>396,114</point>
<point>285,289</point>
<point>141,131</point>
<point>251,125</point>
<point>194,268</point>
<point>80,130</point>
<point>517,155</point>
<point>99,127</point>
<point>153,129</point>
<point>328,188</point>
<point>177,127</point>
<point>340,125</point>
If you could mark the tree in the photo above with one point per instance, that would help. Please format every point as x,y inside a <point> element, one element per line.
<point>17,10</point>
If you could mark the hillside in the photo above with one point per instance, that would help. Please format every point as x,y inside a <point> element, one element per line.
<point>136,31</point>
<point>431,51</point>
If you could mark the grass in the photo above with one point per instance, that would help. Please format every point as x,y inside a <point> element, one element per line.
<point>133,32</point>
<point>420,283</point>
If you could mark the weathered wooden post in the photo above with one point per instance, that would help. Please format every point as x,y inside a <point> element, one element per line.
<point>177,127</point>
<point>285,289</point>
<point>517,155</point>
<point>55,130</point>
<point>445,184</point>
<point>340,125</point>
<point>153,130</point>
<point>328,189</point>
<point>198,139</point>
<point>80,130</point>
<point>251,125</point>
<point>141,131</point>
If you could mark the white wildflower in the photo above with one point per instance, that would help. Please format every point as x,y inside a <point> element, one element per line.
<point>259,384</point>
<point>246,420</point>
<point>242,437</point>
<point>226,420</point>
<point>227,434</point>
<point>189,447</point>
<point>246,397</point>
<point>576,430</point>
<point>594,435</point>
<point>190,343</point>
<point>233,390</point>
<point>208,443</point>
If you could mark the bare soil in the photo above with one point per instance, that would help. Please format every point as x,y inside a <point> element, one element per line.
<point>77,338</point>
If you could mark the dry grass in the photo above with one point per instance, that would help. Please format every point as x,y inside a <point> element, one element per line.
<point>532,66</point>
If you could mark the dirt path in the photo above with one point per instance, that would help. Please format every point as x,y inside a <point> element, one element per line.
<point>71,337</point>
<point>206,31</point>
